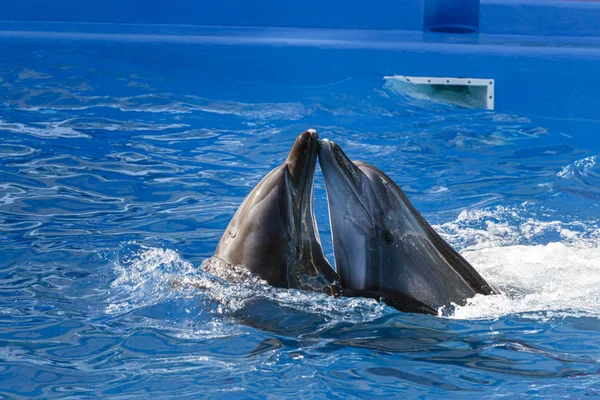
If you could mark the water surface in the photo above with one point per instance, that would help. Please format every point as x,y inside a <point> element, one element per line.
<point>117,178</point>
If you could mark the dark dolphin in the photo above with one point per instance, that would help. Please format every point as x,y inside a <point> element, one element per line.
<point>274,233</point>
<point>383,247</point>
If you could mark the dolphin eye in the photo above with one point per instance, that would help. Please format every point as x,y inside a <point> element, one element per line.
<point>386,237</point>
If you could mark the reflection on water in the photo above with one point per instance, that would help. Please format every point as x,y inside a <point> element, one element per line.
<point>117,181</point>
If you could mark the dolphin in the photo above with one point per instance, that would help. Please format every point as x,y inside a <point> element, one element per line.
<point>274,232</point>
<point>383,247</point>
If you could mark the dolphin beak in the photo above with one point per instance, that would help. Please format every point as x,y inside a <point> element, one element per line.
<point>332,158</point>
<point>343,179</point>
<point>303,157</point>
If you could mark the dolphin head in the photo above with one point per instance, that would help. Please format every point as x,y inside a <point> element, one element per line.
<point>351,216</point>
<point>383,247</point>
<point>274,232</point>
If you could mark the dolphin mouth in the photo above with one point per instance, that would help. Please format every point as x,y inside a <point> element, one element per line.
<point>336,164</point>
<point>302,160</point>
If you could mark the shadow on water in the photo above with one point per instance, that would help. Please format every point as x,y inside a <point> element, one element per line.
<point>422,339</point>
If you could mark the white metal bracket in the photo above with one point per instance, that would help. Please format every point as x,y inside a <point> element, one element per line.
<point>467,92</point>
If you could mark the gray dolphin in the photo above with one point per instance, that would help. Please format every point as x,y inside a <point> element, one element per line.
<point>383,247</point>
<point>274,233</point>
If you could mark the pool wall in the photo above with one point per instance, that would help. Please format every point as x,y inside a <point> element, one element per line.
<point>543,55</point>
<point>515,17</point>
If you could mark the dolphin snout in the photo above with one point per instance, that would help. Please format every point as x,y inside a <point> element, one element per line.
<point>303,156</point>
<point>307,141</point>
<point>333,160</point>
<point>326,143</point>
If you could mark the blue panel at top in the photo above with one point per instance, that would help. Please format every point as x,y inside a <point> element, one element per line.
<point>540,17</point>
<point>374,14</point>
<point>514,17</point>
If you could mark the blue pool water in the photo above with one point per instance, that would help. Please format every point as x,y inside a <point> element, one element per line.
<point>119,172</point>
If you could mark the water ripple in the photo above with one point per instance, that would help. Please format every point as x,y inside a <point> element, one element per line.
<point>118,177</point>
<point>48,130</point>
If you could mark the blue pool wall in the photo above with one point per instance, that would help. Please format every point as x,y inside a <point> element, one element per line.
<point>451,16</point>
<point>516,17</point>
<point>543,55</point>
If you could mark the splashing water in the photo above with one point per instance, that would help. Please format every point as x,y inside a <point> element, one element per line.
<point>543,281</point>
<point>147,276</point>
<point>144,276</point>
<point>558,279</point>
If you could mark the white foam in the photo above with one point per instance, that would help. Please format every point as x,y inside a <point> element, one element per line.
<point>579,167</point>
<point>505,226</point>
<point>537,278</point>
<point>543,281</point>
<point>143,277</point>
<point>580,178</point>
